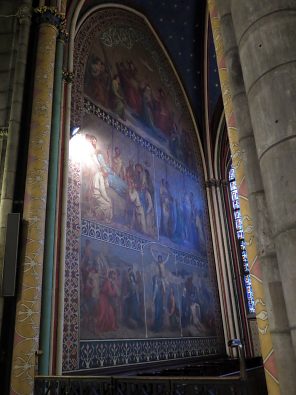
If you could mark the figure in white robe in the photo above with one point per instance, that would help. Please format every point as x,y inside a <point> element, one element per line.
<point>102,202</point>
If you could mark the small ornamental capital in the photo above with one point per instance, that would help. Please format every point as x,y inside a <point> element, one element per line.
<point>49,15</point>
<point>24,13</point>
<point>63,34</point>
<point>3,131</point>
<point>68,76</point>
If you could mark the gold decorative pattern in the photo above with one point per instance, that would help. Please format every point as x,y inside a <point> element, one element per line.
<point>49,15</point>
<point>29,298</point>
<point>261,314</point>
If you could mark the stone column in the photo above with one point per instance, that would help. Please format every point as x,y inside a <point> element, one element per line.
<point>30,271</point>
<point>277,314</point>
<point>265,33</point>
<point>14,127</point>
<point>261,314</point>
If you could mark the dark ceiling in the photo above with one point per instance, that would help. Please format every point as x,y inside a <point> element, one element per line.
<point>181,25</point>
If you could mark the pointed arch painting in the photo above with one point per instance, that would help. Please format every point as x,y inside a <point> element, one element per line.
<point>140,280</point>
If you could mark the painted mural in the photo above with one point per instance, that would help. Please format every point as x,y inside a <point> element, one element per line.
<point>112,292</point>
<point>134,91</point>
<point>118,181</point>
<point>139,266</point>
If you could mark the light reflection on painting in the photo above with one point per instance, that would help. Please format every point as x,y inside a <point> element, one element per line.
<point>118,185</point>
<point>125,186</point>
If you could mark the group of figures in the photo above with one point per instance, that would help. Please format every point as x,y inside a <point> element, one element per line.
<point>118,193</point>
<point>123,89</point>
<point>125,93</point>
<point>181,220</point>
<point>137,222</point>
<point>113,301</point>
<point>109,296</point>
<point>179,305</point>
<point>126,187</point>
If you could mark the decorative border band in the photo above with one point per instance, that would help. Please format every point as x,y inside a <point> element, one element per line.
<point>98,354</point>
<point>91,108</point>
<point>127,240</point>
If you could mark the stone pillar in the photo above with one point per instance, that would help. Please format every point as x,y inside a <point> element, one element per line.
<point>261,314</point>
<point>265,33</point>
<point>277,314</point>
<point>30,272</point>
<point>14,127</point>
<point>8,47</point>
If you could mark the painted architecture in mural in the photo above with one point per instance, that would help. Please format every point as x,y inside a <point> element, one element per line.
<point>139,260</point>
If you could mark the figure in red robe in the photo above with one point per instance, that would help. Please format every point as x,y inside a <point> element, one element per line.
<point>106,320</point>
<point>162,115</point>
<point>133,93</point>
